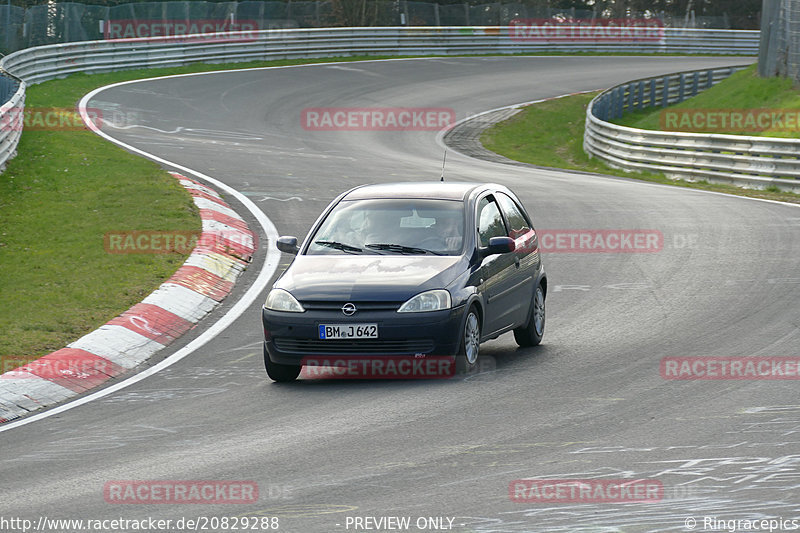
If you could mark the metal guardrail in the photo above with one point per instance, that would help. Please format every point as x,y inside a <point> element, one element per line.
<point>42,63</point>
<point>650,92</point>
<point>755,162</point>
<point>12,94</point>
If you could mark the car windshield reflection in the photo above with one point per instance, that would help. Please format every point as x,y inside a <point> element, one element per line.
<point>392,226</point>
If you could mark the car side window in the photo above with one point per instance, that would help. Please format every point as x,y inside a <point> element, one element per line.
<point>516,220</point>
<point>490,222</point>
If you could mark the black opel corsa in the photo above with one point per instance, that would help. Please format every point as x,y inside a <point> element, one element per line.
<point>407,269</point>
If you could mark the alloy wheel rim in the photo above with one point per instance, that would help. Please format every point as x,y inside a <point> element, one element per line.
<point>538,312</point>
<point>472,338</point>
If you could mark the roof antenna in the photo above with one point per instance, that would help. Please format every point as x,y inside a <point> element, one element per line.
<point>444,159</point>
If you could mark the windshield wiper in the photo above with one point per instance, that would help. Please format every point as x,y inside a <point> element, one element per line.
<point>400,248</point>
<point>339,246</point>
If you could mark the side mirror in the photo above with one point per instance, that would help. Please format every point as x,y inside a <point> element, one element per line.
<point>499,245</point>
<point>287,244</point>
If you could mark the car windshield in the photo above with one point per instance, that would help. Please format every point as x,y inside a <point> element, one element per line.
<point>404,226</point>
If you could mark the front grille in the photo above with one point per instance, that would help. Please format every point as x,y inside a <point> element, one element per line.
<point>313,305</point>
<point>353,347</point>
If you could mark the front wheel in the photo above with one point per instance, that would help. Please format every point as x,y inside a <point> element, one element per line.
<point>280,373</point>
<point>467,358</point>
<point>531,333</point>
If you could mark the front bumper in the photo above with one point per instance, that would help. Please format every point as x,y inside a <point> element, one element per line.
<point>292,337</point>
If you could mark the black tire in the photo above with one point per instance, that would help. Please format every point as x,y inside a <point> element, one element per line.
<point>469,348</point>
<point>280,373</point>
<point>531,333</point>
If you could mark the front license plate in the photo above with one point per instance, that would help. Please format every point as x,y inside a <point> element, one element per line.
<point>348,331</point>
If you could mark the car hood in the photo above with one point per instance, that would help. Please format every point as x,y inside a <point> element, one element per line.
<point>368,277</point>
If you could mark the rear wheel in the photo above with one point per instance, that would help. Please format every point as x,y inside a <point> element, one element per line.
<point>280,373</point>
<point>467,358</point>
<point>531,333</point>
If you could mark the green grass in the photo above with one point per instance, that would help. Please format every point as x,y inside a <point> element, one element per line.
<point>741,91</point>
<point>544,134</point>
<point>58,198</point>
<point>550,134</point>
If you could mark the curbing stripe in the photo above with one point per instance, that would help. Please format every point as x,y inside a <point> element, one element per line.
<point>185,303</point>
<point>202,281</point>
<point>153,322</point>
<point>74,369</point>
<point>203,203</point>
<point>230,230</point>
<point>211,265</point>
<point>218,264</point>
<point>18,392</point>
<point>214,216</point>
<point>223,250</point>
<point>192,185</point>
<point>197,193</point>
<point>222,244</point>
<point>118,344</point>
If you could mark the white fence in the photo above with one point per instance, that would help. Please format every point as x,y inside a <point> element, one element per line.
<point>755,162</point>
<point>42,63</point>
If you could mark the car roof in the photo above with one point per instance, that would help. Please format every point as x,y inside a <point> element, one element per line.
<point>431,189</point>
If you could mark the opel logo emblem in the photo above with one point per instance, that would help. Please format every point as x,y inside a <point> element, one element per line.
<point>348,309</point>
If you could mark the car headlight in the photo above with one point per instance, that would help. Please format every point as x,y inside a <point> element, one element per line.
<point>281,300</point>
<point>435,300</point>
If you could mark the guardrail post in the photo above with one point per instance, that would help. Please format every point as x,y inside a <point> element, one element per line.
<point>604,108</point>
<point>681,87</point>
<point>627,98</point>
<point>640,96</point>
<point>652,98</point>
<point>665,92</point>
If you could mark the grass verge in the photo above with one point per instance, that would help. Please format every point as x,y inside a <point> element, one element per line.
<point>742,91</point>
<point>550,134</point>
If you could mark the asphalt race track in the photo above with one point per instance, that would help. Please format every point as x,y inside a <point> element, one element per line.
<point>589,403</point>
